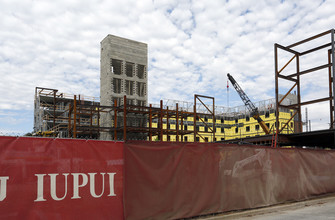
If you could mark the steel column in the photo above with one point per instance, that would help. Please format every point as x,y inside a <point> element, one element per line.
<point>182,126</point>
<point>161,121</point>
<point>214,121</point>
<point>115,119</point>
<point>194,122</point>
<point>75,116</point>
<point>69,121</point>
<point>150,122</point>
<point>276,87</point>
<point>177,123</point>
<point>299,96</point>
<point>331,107</point>
<point>333,69</point>
<point>125,118</point>
<point>91,121</point>
<point>54,111</point>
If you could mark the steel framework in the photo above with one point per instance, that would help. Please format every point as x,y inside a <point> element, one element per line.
<point>75,117</point>
<point>296,77</point>
<point>210,113</point>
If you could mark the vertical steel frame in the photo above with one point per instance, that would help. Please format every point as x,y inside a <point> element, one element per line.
<point>296,78</point>
<point>333,71</point>
<point>211,129</point>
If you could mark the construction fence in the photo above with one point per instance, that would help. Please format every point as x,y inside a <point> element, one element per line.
<point>46,178</point>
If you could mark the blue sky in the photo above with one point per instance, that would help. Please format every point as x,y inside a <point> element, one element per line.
<point>192,45</point>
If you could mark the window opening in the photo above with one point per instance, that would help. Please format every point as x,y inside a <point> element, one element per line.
<point>140,89</point>
<point>129,87</point>
<point>129,69</point>
<point>140,71</point>
<point>116,66</point>
<point>116,85</point>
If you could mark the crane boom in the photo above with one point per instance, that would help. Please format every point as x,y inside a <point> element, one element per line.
<point>248,103</point>
<point>251,107</point>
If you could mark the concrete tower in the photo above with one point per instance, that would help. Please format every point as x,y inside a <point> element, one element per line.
<point>123,71</point>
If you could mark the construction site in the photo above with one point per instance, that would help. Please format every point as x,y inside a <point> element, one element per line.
<point>122,111</point>
<point>74,116</point>
<point>173,159</point>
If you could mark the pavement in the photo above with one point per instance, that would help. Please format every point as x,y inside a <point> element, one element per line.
<point>322,207</point>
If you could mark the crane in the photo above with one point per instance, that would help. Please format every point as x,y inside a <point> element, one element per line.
<point>250,106</point>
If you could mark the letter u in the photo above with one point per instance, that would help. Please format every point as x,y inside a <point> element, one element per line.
<point>3,187</point>
<point>53,188</point>
<point>92,184</point>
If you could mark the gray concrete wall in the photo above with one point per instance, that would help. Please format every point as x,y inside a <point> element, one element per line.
<point>127,51</point>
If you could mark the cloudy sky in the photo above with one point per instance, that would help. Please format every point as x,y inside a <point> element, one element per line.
<point>192,46</point>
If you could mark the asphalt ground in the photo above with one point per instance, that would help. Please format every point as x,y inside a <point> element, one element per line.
<point>321,207</point>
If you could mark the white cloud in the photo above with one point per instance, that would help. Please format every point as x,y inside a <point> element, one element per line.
<point>192,44</point>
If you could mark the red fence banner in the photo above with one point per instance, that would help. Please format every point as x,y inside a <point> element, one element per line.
<point>45,178</point>
<point>179,180</point>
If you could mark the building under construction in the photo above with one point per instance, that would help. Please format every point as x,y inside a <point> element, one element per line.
<point>78,116</point>
<point>123,112</point>
<point>56,114</point>
<point>183,180</point>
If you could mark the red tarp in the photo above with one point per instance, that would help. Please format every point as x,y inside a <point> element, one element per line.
<point>176,180</point>
<point>44,178</point>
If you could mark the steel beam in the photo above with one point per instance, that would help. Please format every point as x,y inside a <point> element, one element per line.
<point>309,39</point>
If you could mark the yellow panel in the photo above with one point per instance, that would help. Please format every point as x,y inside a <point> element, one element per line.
<point>229,133</point>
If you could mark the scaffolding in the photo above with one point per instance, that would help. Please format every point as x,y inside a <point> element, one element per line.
<point>62,115</point>
<point>66,116</point>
